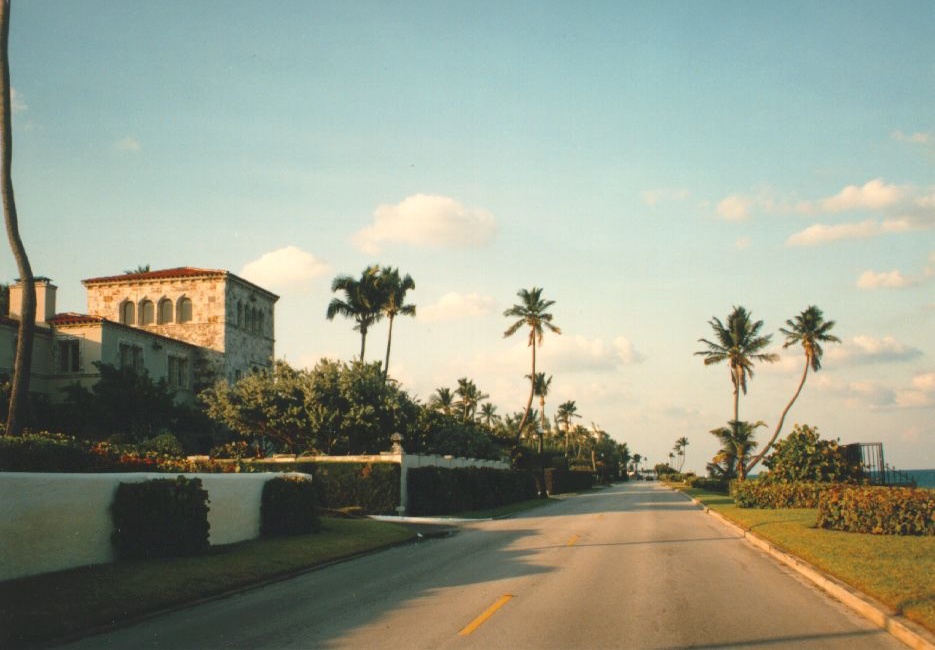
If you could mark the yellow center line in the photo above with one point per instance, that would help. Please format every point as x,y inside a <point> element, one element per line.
<point>574,538</point>
<point>477,622</point>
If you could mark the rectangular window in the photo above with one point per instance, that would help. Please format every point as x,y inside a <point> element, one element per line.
<point>178,372</point>
<point>131,356</point>
<point>68,356</point>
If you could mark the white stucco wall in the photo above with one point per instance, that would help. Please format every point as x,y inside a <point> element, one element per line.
<point>50,522</point>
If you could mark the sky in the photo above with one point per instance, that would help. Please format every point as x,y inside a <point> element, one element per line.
<point>649,165</point>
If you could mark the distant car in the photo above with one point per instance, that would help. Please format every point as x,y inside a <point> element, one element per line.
<point>649,477</point>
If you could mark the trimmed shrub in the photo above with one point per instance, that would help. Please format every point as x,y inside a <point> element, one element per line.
<point>560,481</point>
<point>719,485</point>
<point>878,510</point>
<point>44,452</point>
<point>444,490</point>
<point>763,494</point>
<point>373,488</point>
<point>289,506</point>
<point>160,518</point>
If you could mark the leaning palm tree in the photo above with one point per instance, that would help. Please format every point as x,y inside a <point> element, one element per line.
<point>809,329</point>
<point>736,443</point>
<point>362,302</point>
<point>531,312</point>
<point>22,359</point>
<point>566,411</point>
<point>740,344</point>
<point>394,291</point>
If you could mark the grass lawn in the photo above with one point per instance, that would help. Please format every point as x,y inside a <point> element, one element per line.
<point>57,604</point>
<point>899,571</point>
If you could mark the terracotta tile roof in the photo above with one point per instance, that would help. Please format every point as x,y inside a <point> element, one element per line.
<point>165,274</point>
<point>71,318</point>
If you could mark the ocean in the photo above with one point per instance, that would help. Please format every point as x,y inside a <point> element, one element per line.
<point>925,478</point>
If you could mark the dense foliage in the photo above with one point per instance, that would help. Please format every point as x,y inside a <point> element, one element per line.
<point>764,494</point>
<point>442,490</point>
<point>559,481</point>
<point>289,506</point>
<point>878,510</point>
<point>160,518</point>
<point>804,456</point>
<point>369,488</point>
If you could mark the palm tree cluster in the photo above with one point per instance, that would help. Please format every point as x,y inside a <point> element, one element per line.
<point>379,293</point>
<point>740,344</point>
<point>679,452</point>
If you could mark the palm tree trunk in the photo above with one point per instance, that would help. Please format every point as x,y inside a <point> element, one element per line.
<point>782,419</point>
<point>389,342</point>
<point>363,342</point>
<point>22,362</point>
<point>532,390</point>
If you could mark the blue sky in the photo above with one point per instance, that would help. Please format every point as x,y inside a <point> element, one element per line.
<point>649,164</point>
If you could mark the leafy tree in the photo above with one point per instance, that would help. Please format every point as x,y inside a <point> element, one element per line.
<point>22,360</point>
<point>267,409</point>
<point>736,444</point>
<point>740,344</point>
<point>804,456</point>
<point>363,301</point>
<point>530,312</point>
<point>809,329</point>
<point>394,290</point>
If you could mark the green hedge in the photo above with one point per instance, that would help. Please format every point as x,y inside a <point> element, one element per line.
<point>878,510</point>
<point>371,488</point>
<point>160,518</point>
<point>289,506</point>
<point>762,494</point>
<point>559,481</point>
<point>45,452</point>
<point>444,490</point>
<point>720,485</point>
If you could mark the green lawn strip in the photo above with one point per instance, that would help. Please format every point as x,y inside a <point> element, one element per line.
<point>57,604</point>
<point>896,570</point>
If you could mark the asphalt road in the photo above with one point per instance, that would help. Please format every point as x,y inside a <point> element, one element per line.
<point>634,566</point>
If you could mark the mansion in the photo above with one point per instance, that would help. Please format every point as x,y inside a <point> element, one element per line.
<point>188,326</point>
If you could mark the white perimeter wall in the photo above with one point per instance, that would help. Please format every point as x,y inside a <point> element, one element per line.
<point>50,522</point>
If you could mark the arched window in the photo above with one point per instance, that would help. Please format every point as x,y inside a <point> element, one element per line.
<point>147,312</point>
<point>165,311</point>
<point>184,310</point>
<point>128,312</point>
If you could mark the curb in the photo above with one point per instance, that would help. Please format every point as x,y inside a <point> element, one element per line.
<point>906,631</point>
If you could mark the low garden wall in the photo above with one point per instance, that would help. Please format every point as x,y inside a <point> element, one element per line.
<point>50,522</point>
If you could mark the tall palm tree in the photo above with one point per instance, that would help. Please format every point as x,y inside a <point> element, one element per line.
<point>809,329</point>
<point>362,302</point>
<point>394,291</point>
<point>566,411</point>
<point>531,312</point>
<point>740,344</point>
<point>680,446</point>
<point>22,360</point>
<point>736,443</point>
<point>541,386</point>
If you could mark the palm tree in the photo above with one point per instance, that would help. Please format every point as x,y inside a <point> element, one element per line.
<point>488,415</point>
<point>541,389</point>
<point>142,268</point>
<point>736,443</point>
<point>22,360</point>
<point>740,344</point>
<point>566,411</point>
<point>442,401</point>
<point>362,302</point>
<point>680,446</point>
<point>810,330</point>
<point>531,311</point>
<point>637,459</point>
<point>623,453</point>
<point>394,291</point>
<point>470,397</point>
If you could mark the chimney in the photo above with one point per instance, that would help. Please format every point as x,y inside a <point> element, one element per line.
<point>45,299</point>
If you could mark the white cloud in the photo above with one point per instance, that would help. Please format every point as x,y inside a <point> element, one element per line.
<point>820,233</point>
<point>735,207</point>
<point>580,353</point>
<point>873,195</point>
<point>129,144</point>
<point>456,306</point>
<point>867,349</point>
<point>884,280</point>
<point>17,103</point>
<point>427,221</point>
<point>286,267</point>
<point>652,198</point>
<point>914,138</point>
